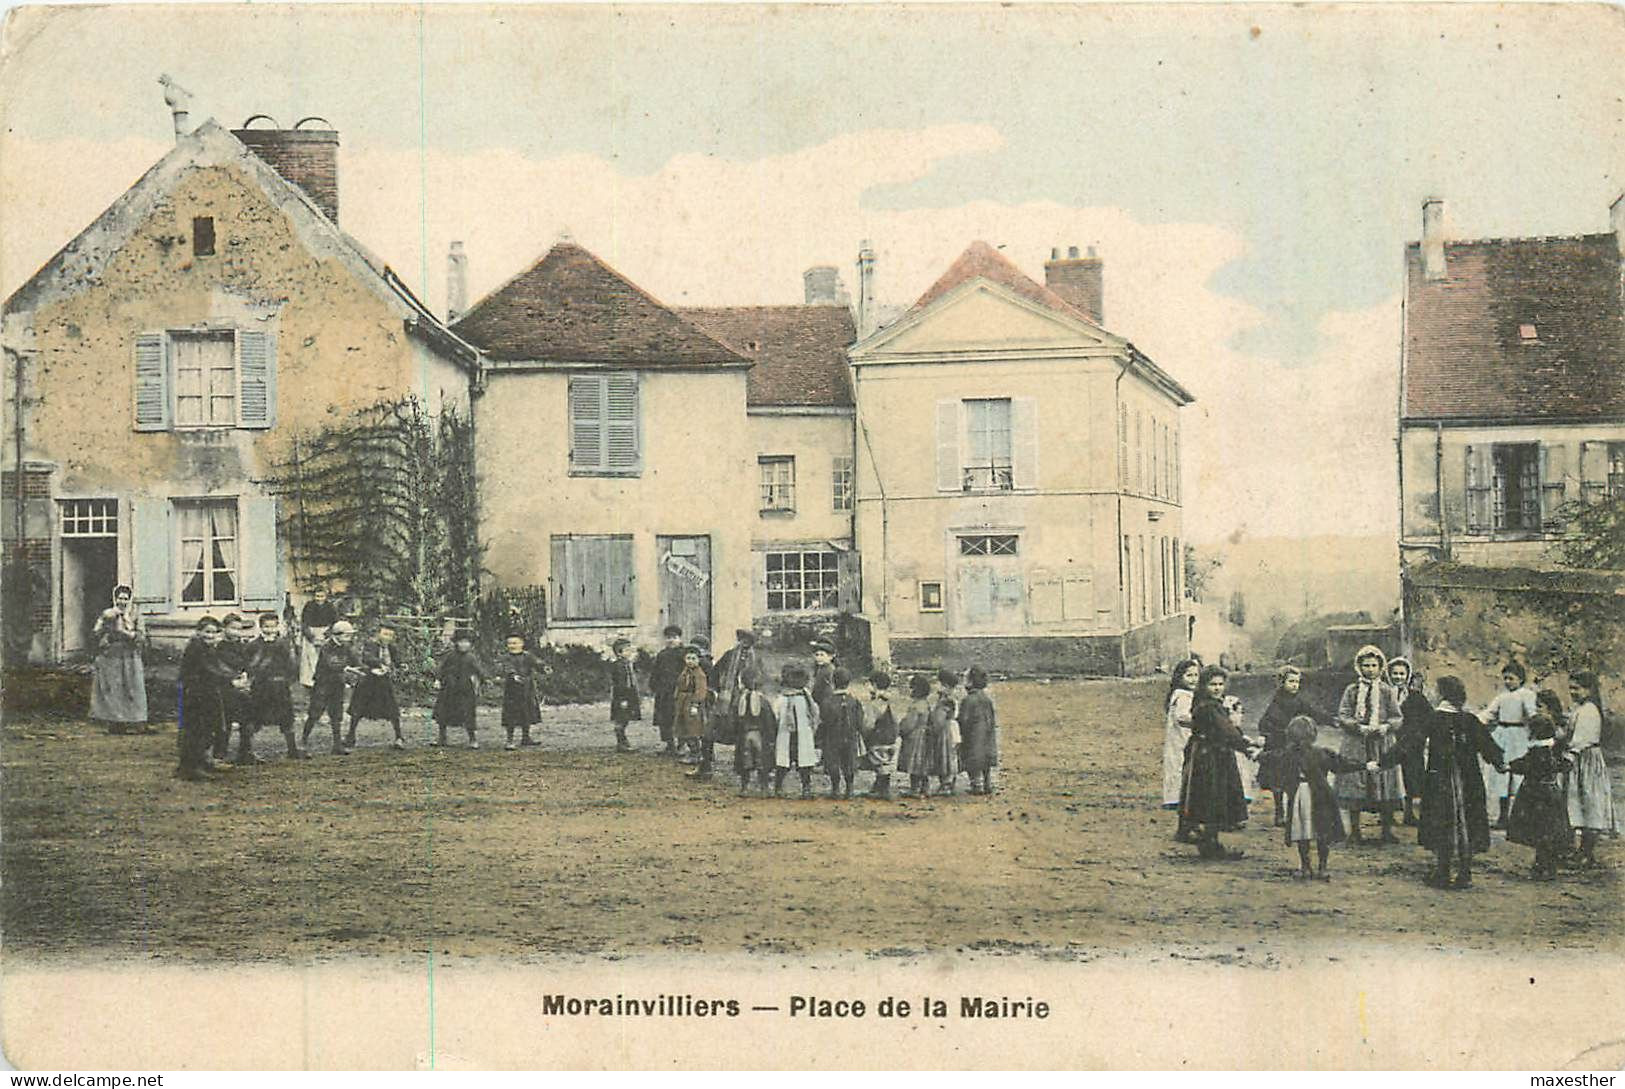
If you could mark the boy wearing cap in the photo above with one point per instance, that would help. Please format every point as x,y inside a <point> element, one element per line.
<point>823,671</point>
<point>374,694</point>
<point>728,692</point>
<point>625,704</point>
<point>668,666</point>
<point>458,682</point>
<point>336,666</point>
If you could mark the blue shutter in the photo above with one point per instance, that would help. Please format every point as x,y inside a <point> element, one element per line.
<point>257,551</point>
<point>256,362</point>
<point>151,383</point>
<point>153,548</point>
<point>621,422</point>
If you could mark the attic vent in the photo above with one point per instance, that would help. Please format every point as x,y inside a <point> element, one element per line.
<point>1528,333</point>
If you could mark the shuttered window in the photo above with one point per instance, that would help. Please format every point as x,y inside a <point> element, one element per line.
<point>215,378</point>
<point>604,424</point>
<point>593,577</point>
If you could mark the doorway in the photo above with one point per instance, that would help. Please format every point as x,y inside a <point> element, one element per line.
<point>89,568</point>
<point>685,584</point>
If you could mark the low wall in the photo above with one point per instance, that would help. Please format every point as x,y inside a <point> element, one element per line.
<point>1470,620</point>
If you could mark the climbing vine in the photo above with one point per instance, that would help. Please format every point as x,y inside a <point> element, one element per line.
<point>384,501</point>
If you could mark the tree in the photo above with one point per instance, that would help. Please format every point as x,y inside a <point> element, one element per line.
<point>1198,569</point>
<point>1593,535</point>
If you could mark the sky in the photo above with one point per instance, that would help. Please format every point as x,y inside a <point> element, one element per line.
<point>1249,173</point>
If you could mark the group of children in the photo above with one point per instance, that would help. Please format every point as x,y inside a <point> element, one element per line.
<point>237,675</point>
<point>1539,765</point>
<point>815,721</point>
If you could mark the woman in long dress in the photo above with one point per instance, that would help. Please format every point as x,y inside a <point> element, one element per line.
<point>1590,798</point>
<point>118,694</point>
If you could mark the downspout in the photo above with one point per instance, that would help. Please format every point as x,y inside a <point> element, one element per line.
<point>17,426</point>
<point>1117,540</point>
<point>1438,489</point>
<point>880,486</point>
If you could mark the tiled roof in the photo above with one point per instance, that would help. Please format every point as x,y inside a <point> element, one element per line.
<point>982,260</point>
<point>800,351</point>
<point>570,307</point>
<point>1468,353</point>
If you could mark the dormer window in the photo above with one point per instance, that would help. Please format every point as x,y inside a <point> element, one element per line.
<point>1528,334</point>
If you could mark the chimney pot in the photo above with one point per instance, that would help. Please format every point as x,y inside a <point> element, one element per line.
<point>1433,260</point>
<point>868,317</point>
<point>456,282</point>
<point>1091,251</point>
<point>179,101</point>
<point>1055,253</point>
<point>1072,253</point>
<point>307,158</point>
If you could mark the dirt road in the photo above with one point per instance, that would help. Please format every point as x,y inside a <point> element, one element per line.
<point>575,849</point>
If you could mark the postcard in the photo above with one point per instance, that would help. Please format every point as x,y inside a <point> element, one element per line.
<point>812,537</point>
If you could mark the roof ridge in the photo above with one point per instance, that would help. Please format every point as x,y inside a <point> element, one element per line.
<point>1501,239</point>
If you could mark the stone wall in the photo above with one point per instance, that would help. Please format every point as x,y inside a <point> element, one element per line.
<point>1470,620</point>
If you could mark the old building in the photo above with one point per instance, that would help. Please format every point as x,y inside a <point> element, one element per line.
<point>1512,389</point>
<point>617,463</point>
<point>162,359</point>
<point>799,416</point>
<point>1018,478</point>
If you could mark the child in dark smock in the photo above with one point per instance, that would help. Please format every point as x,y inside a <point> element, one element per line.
<point>458,681</point>
<point>914,754</point>
<point>1539,817</point>
<point>1212,800</point>
<point>756,733</point>
<point>522,672</point>
<point>978,732</point>
<point>374,694</point>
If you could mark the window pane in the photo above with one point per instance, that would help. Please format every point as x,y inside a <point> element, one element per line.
<point>222,410</point>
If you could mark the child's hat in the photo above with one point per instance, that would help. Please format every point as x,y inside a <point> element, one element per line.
<point>344,627</point>
<point>462,635</point>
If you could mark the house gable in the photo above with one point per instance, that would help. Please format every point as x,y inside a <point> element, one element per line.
<point>981,316</point>
<point>85,260</point>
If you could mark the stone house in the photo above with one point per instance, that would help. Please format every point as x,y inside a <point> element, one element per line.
<point>162,359</point>
<point>1512,389</point>
<point>1018,498</point>
<point>616,460</point>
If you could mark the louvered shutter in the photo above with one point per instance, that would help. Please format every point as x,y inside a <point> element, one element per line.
<point>621,423</point>
<point>950,470</point>
<point>256,369</point>
<point>1024,442</point>
<point>152,580</point>
<point>151,383</point>
<point>1554,461</point>
<point>586,422</point>
<point>1478,490</point>
<point>1593,470</point>
<point>257,552</point>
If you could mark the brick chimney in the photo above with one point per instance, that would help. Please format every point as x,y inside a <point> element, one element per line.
<point>1078,280</point>
<point>307,157</point>
<point>823,287</point>
<point>1433,266</point>
<point>456,282</point>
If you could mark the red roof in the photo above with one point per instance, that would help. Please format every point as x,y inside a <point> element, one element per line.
<point>981,260</point>
<point>570,307</point>
<point>1520,328</point>
<point>800,351</point>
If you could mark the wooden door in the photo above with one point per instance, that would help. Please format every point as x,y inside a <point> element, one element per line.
<point>685,584</point>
